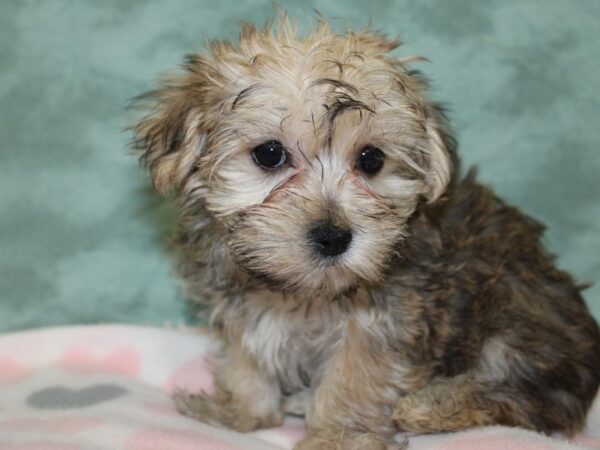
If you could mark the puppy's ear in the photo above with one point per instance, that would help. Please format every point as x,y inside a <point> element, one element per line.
<point>441,153</point>
<point>172,134</point>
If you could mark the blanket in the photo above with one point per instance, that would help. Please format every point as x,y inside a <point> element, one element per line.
<point>108,387</point>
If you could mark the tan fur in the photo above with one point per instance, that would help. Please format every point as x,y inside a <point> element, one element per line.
<point>423,323</point>
<point>245,397</point>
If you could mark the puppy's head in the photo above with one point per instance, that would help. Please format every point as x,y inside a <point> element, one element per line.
<point>308,155</point>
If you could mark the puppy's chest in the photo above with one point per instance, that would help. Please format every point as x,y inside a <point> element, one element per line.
<point>290,344</point>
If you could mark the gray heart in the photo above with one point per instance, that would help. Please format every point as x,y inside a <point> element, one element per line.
<point>59,397</point>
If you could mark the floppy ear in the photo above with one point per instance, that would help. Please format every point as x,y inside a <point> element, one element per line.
<point>441,154</point>
<point>171,136</point>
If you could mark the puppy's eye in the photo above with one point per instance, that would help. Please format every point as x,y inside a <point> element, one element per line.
<point>370,160</point>
<point>269,155</point>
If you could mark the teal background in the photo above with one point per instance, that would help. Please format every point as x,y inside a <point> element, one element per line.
<point>82,237</point>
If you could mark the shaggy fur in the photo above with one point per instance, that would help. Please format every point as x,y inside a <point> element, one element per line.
<point>444,313</point>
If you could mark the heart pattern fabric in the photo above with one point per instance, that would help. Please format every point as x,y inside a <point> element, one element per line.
<point>109,387</point>
<point>60,397</point>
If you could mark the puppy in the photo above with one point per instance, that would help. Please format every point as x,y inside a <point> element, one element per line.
<point>352,275</point>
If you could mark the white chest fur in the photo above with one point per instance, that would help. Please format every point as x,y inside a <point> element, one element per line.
<point>289,342</point>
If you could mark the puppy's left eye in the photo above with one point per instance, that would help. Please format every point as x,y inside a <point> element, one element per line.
<point>270,155</point>
<point>370,160</point>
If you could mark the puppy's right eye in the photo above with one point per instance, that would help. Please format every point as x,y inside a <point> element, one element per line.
<point>270,155</point>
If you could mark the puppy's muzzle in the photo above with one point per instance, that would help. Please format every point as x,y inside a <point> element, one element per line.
<point>329,239</point>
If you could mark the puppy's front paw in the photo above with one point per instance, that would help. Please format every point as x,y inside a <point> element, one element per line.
<point>346,440</point>
<point>314,442</point>
<point>220,410</point>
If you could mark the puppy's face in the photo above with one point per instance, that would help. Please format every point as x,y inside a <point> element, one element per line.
<point>309,155</point>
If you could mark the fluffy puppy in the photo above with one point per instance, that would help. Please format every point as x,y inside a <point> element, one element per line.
<point>352,275</point>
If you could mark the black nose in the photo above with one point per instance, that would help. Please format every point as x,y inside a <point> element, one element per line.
<point>330,240</point>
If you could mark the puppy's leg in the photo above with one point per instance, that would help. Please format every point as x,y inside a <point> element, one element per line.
<point>531,380</point>
<point>244,398</point>
<point>346,440</point>
<point>354,396</point>
<point>451,404</point>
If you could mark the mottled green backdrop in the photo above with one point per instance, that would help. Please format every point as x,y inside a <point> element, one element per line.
<point>82,238</point>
